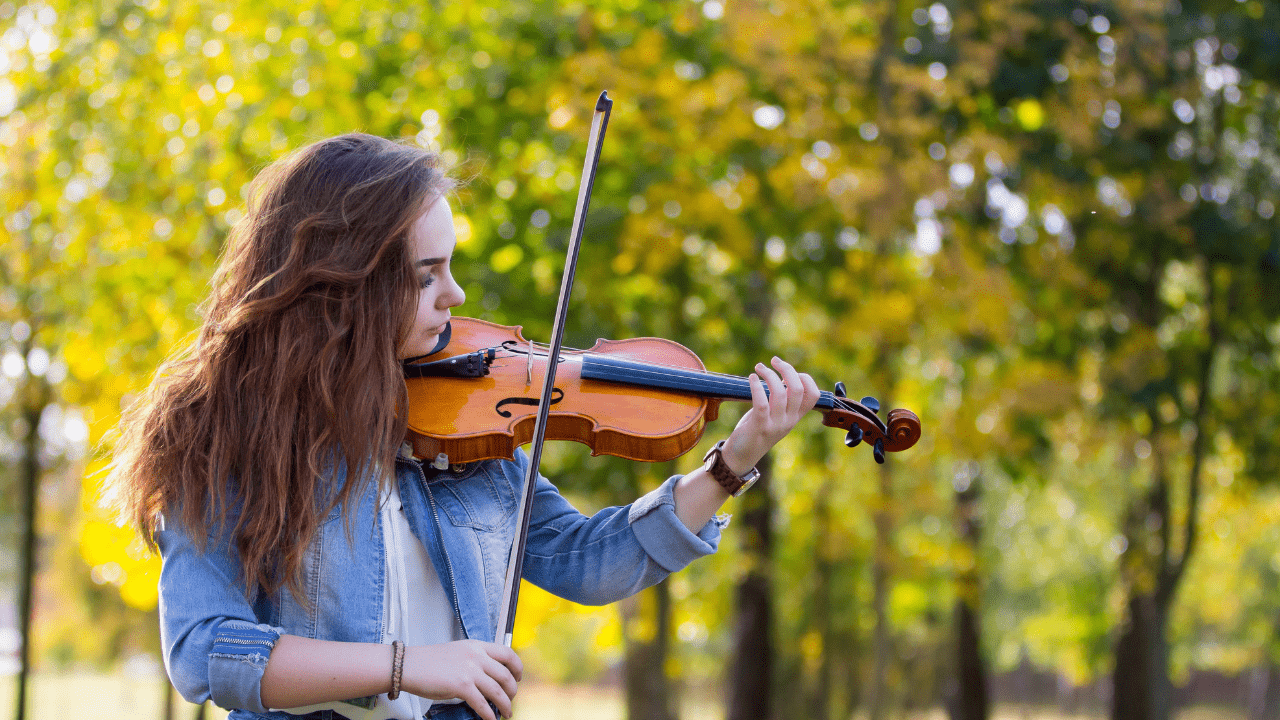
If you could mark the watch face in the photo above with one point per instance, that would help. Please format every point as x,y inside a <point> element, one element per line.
<point>750,479</point>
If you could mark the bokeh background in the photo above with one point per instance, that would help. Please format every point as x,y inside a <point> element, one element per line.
<point>1046,226</point>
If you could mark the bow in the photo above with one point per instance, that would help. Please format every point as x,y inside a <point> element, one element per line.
<point>515,563</point>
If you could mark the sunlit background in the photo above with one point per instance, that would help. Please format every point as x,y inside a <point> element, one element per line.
<point>1045,226</point>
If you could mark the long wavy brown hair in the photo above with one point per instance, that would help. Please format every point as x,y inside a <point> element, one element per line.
<point>296,368</point>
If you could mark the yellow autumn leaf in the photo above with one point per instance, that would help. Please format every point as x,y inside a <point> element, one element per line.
<point>1030,114</point>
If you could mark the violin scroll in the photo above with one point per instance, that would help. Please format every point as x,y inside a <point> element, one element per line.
<point>862,420</point>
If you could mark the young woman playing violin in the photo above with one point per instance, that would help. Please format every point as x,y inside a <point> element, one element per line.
<point>311,565</point>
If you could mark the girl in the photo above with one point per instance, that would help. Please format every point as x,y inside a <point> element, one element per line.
<point>311,566</point>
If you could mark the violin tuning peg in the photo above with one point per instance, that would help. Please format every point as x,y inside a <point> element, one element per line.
<point>854,437</point>
<point>839,391</point>
<point>871,404</point>
<point>878,450</point>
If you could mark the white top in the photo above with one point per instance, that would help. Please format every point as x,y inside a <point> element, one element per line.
<point>415,610</point>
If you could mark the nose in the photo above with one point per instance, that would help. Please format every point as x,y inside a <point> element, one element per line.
<point>452,295</point>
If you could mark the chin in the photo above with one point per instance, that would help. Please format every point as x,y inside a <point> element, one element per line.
<point>427,345</point>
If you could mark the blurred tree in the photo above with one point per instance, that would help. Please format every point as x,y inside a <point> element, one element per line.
<point>972,700</point>
<point>1155,174</point>
<point>33,309</point>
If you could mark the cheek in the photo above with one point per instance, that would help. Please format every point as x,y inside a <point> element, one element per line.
<point>423,307</point>
<point>427,300</point>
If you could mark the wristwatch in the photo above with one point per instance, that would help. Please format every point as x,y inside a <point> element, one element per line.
<point>732,482</point>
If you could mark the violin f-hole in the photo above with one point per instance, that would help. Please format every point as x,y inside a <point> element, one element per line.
<point>556,396</point>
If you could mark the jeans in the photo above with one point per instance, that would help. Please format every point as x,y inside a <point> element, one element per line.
<point>454,711</point>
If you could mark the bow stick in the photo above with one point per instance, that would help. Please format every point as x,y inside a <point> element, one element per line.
<point>515,563</point>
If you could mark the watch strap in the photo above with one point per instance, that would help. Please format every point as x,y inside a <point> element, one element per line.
<point>732,482</point>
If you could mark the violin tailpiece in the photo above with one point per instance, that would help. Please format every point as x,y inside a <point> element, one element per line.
<point>471,365</point>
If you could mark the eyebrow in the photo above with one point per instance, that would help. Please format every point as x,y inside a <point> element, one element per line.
<point>428,262</point>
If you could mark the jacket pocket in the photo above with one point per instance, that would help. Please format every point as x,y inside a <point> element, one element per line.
<point>482,499</point>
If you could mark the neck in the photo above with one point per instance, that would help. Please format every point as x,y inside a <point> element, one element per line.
<point>705,384</point>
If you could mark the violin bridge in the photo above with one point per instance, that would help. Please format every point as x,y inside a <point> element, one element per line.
<point>528,367</point>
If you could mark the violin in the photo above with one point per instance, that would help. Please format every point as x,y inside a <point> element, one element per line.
<point>645,399</point>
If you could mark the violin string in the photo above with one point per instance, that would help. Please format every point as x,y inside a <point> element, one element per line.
<point>712,377</point>
<point>655,366</point>
<point>662,371</point>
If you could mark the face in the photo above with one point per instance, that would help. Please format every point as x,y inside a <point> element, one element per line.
<point>431,242</point>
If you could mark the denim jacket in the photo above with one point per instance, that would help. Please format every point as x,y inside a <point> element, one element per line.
<point>216,639</point>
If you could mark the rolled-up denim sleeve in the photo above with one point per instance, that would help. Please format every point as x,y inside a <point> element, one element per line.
<point>214,647</point>
<point>614,553</point>
<point>662,535</point>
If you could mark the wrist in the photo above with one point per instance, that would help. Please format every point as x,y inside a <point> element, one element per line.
<point>729,479</point>
<point>734,460</point>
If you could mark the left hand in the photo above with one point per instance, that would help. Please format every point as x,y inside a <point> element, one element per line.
<point>771,417</point>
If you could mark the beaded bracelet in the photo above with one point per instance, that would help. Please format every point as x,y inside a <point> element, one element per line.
<point>397,668</point>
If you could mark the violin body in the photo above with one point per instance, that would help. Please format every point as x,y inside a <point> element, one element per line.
<point>469,419</point>
<point>645,399</point>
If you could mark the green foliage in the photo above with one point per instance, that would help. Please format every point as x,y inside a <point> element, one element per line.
<point>1019,220</point>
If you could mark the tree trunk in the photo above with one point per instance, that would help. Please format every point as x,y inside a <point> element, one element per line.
<point>971,700</point>
<point>751,665</point>
<point>646,619</point>
<point>819,703</point>
<point>1142,687</point>
<point>34,396</point>
<point>750,679</point>
<point>877,698</point>
<point>649,695</point>
<point>851,655</point>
